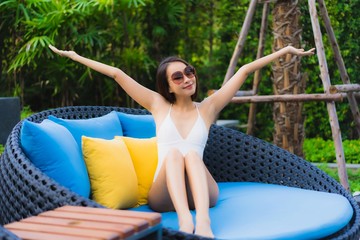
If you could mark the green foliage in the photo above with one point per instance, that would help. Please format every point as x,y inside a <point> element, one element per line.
<point>347,33</point>
<point>323,151</point>
<point>354,180</point>
<point>2,148</point>
<point>26,112</point>
<point>135,35</point>
<point>85,26</point>
<point>353,176</point>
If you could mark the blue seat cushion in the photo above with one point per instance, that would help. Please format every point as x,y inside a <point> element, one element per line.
<point>137,126</point>
<point>248,210</point>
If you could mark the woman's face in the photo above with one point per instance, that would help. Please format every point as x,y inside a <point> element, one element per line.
<point>181,78</point>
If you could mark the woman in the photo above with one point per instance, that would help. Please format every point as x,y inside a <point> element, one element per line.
<point>182,182</point>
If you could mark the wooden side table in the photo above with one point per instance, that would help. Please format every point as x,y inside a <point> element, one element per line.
<point>86,223</point>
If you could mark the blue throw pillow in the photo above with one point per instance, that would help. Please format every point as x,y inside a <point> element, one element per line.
<point>106,127</point>
<point>53,150</point>
<point>137,126</point>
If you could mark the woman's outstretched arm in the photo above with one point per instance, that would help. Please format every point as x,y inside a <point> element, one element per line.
<point>217,101</point>
<point>142,95</point>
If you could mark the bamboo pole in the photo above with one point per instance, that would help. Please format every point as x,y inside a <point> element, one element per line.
<point>345,88</point>
<point>340,63</point>
<point>357,95</point>
<point>286,143</point>
<point>241,40</point>
<point>257,74</point>
<point>290,98</point>
<point>334,123</point>
<point>241,93</point>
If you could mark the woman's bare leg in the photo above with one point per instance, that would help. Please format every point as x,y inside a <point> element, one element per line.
<point>158,197</point>
<point>204,192</point>
<point>169,190</point>
<point>213,188</point>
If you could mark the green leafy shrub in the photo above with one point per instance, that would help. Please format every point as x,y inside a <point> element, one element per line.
<point>323,151</point>
<point>1,149</point>
<point>26,112</point>
<point>353,176</point>
<point>354,180</point>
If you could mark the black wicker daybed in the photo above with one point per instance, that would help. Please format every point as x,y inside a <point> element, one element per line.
<point>231,156</point>
<point>5,234</point>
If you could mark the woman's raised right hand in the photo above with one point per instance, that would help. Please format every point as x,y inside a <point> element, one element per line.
<point>63,53</point>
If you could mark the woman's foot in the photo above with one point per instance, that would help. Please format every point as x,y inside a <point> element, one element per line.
<point>203,228</point>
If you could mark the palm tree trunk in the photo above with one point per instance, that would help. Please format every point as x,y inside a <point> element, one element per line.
<point>287,78</point>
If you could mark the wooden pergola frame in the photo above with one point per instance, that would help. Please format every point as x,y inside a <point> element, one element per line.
<point>332,93</point>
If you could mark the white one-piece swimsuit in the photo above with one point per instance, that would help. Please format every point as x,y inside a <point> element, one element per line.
<point>168,137</point>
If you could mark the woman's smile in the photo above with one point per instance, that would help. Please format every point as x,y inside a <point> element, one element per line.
<point>189,86</point>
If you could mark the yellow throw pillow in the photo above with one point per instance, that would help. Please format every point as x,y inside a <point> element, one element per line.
<point>144,154</point>
<point>111,171</point>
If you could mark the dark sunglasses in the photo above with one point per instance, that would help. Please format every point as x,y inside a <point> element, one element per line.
<point>178,77</point>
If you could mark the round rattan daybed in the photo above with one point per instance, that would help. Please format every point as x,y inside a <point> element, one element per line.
<point>6,235</point>
<point>231,156</point>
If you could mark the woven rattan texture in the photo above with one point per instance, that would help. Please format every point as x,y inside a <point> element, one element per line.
<point>230,156</point>
<point>6,235</point>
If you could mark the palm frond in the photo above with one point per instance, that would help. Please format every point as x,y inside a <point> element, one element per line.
<point>29,52</point>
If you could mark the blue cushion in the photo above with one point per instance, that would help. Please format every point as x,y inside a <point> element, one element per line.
<point>54,151</point>
<point>106,127</point>
<point>265,211</point>
<point>137,126</point>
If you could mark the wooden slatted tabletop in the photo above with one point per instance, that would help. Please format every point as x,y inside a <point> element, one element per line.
<point>80,223</point>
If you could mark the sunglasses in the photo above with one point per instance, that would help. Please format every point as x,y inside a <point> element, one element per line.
<point>178,77</point>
